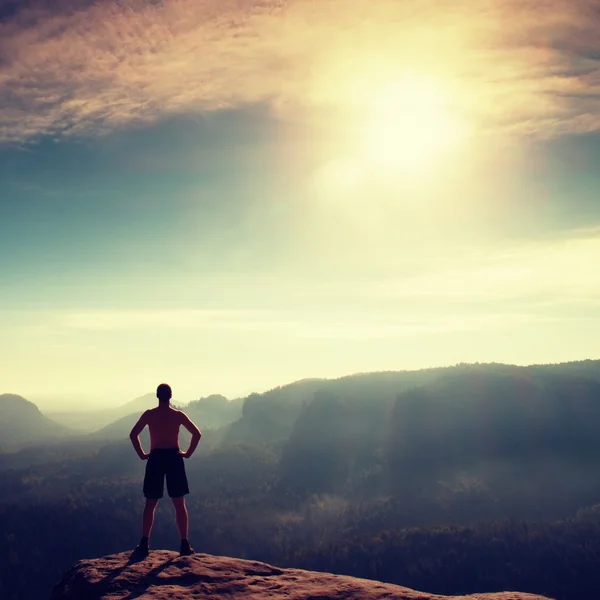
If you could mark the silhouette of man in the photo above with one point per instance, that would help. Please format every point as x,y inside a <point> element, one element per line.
<point>165,460</point>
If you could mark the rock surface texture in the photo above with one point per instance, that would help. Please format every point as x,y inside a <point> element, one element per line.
<point>165,575</point>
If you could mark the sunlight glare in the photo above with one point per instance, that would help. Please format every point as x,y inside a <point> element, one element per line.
<point>410,125</point>
<point>393,130</point>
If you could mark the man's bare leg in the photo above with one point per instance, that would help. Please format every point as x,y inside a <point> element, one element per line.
<point>181,516</point>
<point>148,517</point>
<point>147,522</point>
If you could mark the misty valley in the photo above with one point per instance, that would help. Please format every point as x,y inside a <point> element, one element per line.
<point>472,478</point>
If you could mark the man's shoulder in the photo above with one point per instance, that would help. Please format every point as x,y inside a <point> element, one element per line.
<point>180,413</point>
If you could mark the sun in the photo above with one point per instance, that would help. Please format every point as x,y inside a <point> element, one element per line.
<point>409,125</point>
<point>398,129</point>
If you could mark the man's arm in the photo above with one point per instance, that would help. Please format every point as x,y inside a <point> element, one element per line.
<point>134,436</point>
<point>196,434</point>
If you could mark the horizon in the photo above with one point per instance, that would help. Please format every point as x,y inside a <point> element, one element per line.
<point>71,403</point>
<point>258,193</point>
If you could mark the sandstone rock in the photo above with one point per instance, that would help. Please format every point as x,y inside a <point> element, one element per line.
<point>165,575</point>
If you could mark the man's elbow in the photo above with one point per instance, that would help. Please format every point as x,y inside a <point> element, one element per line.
<point>133,435</point>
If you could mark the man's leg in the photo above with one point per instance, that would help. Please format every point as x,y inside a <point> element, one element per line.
<point>142,548</point>
<point>181,516</point>
<point>148,516</point>
<point>177,486</point>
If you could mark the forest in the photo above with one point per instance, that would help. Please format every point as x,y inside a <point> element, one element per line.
<point>473,478</point>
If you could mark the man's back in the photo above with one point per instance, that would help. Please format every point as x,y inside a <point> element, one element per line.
<point>164,423</point>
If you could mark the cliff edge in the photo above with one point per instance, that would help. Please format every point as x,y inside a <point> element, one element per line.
<point>165,575</point>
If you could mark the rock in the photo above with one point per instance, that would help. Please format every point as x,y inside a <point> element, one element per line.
<point>165,575</point>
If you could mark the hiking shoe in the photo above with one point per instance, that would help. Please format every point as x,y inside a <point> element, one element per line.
<point>185,549</point>
<point>141,551</point>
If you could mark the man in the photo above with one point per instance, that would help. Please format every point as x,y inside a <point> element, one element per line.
<point>165,460</point>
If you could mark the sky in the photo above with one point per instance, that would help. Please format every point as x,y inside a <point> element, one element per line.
<point>233,195</point>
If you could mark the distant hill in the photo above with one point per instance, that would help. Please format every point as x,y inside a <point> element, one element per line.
<point>94,420</point>
<point>214,411</point>
<point>271,416</point>
<point>22,424</point>
<point>139,404</point>
<point>457,419</point>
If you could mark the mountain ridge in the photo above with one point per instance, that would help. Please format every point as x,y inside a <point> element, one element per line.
<point>112,422</point>
<point>22,423</point>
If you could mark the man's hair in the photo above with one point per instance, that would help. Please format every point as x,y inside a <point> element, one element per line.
<point>163,392</point>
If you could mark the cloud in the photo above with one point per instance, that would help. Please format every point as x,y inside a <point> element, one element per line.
<point>342,325</point>
<point>172,319</point>
<point>545,285</point>
<point>100,66</point>
<point>538,277</point>
<point>531,283</point>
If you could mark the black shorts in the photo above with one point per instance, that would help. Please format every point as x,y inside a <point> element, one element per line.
<point>165,462</point>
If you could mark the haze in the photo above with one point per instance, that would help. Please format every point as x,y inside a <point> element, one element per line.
<point>228,196</point>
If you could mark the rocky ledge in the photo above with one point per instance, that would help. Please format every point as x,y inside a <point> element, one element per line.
<point>165,575</point>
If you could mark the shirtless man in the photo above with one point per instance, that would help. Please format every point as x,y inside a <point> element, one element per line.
<point>165,459</point>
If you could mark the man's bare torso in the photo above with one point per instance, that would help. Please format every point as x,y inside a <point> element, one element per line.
<point>163,423</point>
